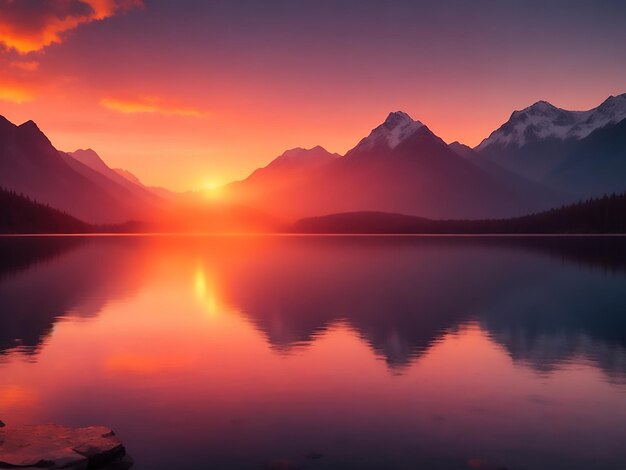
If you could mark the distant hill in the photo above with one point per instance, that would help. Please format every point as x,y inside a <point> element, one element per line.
<point>266,187</point>
<point>123,185</point>
<point>594,216</point>
<point>163,193</point>
<point>19,214</point>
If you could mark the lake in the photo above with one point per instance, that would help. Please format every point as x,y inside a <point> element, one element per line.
<point>285,352</point>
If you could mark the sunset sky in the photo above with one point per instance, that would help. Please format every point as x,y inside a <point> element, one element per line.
<point>187,94</point>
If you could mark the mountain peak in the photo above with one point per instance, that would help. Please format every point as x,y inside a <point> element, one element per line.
<point>620,97</point>
<point>30,124</point>
<point>301,152</point>
<point>29,130</point>
<point>539,108</point>
<point>462,149</point>
<point>396,128</point>
<point>302,158</point>
<point>87,155</point>
<point>616,103</point>
<point>5,124</point>
<point>128,175</point>
<point>292,162</point>
<point>542,105</point>
<point>543,120</point>
<point>397,118</point>
<point>90,158</point>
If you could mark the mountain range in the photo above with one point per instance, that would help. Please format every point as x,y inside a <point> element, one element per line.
<point>30,165</point>
<point>580,153</point>
<point>80,159</point>
<point>401,166</point>
<point>542,157</point>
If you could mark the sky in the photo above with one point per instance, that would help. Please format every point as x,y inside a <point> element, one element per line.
<point>193,94</point>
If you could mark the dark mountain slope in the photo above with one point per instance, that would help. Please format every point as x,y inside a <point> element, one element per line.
<point>92,160</point>
<point>597,165</point>
<point>582,153</point>
<point>19,214</point>
<point>30,165</point>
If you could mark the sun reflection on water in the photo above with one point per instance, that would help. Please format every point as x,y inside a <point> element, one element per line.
<point>206,292</point>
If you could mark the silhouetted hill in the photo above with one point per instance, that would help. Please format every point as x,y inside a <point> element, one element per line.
<point>110,178</point>
<point>19,214</point>
<point>31,165</point>
<point>603,215</point>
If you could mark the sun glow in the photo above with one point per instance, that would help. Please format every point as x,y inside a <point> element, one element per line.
<point>213,190</point>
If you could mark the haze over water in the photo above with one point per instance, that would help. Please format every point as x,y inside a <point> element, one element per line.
<point>323,352</point>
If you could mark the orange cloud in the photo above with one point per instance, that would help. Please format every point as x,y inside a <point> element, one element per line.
<point>30,25</point>
<point>150,105</point>
<point>28,66</point>
<point>15,92</point>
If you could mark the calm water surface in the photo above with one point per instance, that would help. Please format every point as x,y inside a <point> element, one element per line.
<point>323,352</point>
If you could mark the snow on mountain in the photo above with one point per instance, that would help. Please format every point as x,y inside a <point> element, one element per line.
<point>543,120</point>
<point>396,128</point>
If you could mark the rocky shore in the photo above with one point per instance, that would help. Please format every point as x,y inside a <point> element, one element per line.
<point>52,446</point>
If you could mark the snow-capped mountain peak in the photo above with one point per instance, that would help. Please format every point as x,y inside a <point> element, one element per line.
<point>543,120</point>
<point>396,128</point>
<point>542,107</point>
<point>397,118</point>
<point>612,109</point>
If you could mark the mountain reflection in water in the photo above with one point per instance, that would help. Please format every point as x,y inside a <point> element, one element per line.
<point>143,316</point>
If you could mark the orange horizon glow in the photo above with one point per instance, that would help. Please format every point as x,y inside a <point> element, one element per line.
<point>149,105</point>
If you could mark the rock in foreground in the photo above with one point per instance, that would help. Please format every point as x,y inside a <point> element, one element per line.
<point>54,447</point>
